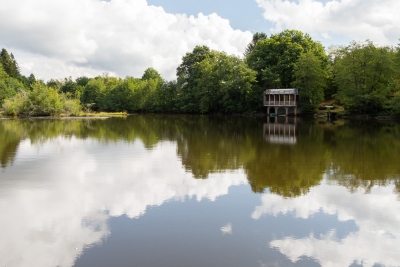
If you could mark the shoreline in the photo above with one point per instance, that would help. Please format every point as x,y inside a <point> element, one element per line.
<point>256,114</point>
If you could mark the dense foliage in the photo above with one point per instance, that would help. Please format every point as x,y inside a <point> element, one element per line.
<point>362,77</point>
<point>367,78</point>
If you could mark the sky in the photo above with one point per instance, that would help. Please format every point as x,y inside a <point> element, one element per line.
<point>55,39</point>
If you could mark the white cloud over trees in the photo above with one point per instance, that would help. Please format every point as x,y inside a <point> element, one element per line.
<point>58,38</point>
<point>120,36</point>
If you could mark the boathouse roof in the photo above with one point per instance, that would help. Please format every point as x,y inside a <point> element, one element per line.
<point>281,91</point>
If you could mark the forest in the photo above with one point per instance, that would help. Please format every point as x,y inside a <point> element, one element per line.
<point>363,77</point>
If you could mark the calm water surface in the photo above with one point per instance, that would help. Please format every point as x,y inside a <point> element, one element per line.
<point>153,190</point>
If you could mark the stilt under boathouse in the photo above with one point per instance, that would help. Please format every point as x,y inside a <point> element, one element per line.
<point>281,102</point>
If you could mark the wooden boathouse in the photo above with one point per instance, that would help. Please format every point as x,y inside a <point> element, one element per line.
<point>281,102</point>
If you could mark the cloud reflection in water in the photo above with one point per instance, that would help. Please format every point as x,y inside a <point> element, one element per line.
<point>375,214</point>
<point>57,198</point>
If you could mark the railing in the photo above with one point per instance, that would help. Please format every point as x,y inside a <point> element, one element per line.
<point>281,103</point>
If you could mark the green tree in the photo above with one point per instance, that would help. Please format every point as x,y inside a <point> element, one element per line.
<point>151,73</point>
<point>3,73</point>
<point>56,84</point>
<point>43,101</point>
<point>394,104</point>
<point>310,81</point>
<point>70,87</point>
<point>9,63</point>
<point>365,75</point>
<point>223,84</point>
<point>167,97</point>
<point>187,78</point>
<point>214,82</point>
<point>92,95</point>
<point>256,37</point>
<point>8,86</point>
<point>82,81</point>
<point>31,79</point>
<point>119,98</point>
<point>274,58</point>
<point>96,92</point>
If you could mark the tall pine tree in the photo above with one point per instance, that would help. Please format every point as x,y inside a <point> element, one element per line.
<point>9,63</point>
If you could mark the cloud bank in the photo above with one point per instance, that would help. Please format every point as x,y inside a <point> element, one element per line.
<point>57,38</point>
<point>337,19</point>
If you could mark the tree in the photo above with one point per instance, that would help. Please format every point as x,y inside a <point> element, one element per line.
<point>187,78</point>
<point>121,96</point>
<point>214,82</point>
<point>310,81</point>
<point>9,63</point>
<point>31,79</point>
<point>97,90</point>
<point>82,81</point>
<point>71,87</point>
<point>223,84</point>
<point>167,97</point>
<point>394,105</point>
<point>256,37</point>
<point>56,84</point>
<point>184,70</point>
<point>274,58</point>
<point>8,86</point>
<point>3,73</point>
<point>365,75</point>
<point>151,73</point>
<point>93,93</point>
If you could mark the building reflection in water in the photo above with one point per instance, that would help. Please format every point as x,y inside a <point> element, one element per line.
<point>281,130</point>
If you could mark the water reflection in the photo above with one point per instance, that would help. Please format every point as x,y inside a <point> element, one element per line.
<point>372,242</point>
<point>61,207</point>
<point>330,194</point>
<point>355,154</point>
<point>281,130</point>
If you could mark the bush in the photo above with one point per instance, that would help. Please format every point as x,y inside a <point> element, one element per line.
<point>72,107</point>
<point>41,101</point>
<point>394,105</point>
<point>15,105</point>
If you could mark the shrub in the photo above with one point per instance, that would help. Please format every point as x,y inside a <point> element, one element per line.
<point>72,107</point>
<point>41,101</point>
<point>15,105</point>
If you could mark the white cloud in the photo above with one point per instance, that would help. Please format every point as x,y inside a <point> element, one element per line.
<point>51,216</point>
<point>119,36</point>
<point>226,229</point>
<point>347,19</point>
<point>375,214</point>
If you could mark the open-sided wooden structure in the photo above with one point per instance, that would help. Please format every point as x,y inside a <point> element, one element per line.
<point>281,101</point>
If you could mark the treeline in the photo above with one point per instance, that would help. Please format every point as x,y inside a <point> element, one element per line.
<point>363,77</point>
<point>20,95</point>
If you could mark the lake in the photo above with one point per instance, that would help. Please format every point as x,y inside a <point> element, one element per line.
<point>174,190</point>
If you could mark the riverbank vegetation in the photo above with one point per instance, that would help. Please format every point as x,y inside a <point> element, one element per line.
<point>363,78</point>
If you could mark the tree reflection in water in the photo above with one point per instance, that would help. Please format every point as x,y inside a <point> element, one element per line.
<point>355,154</point>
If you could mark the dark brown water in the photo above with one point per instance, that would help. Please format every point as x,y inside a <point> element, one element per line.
<point>153,190</point>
